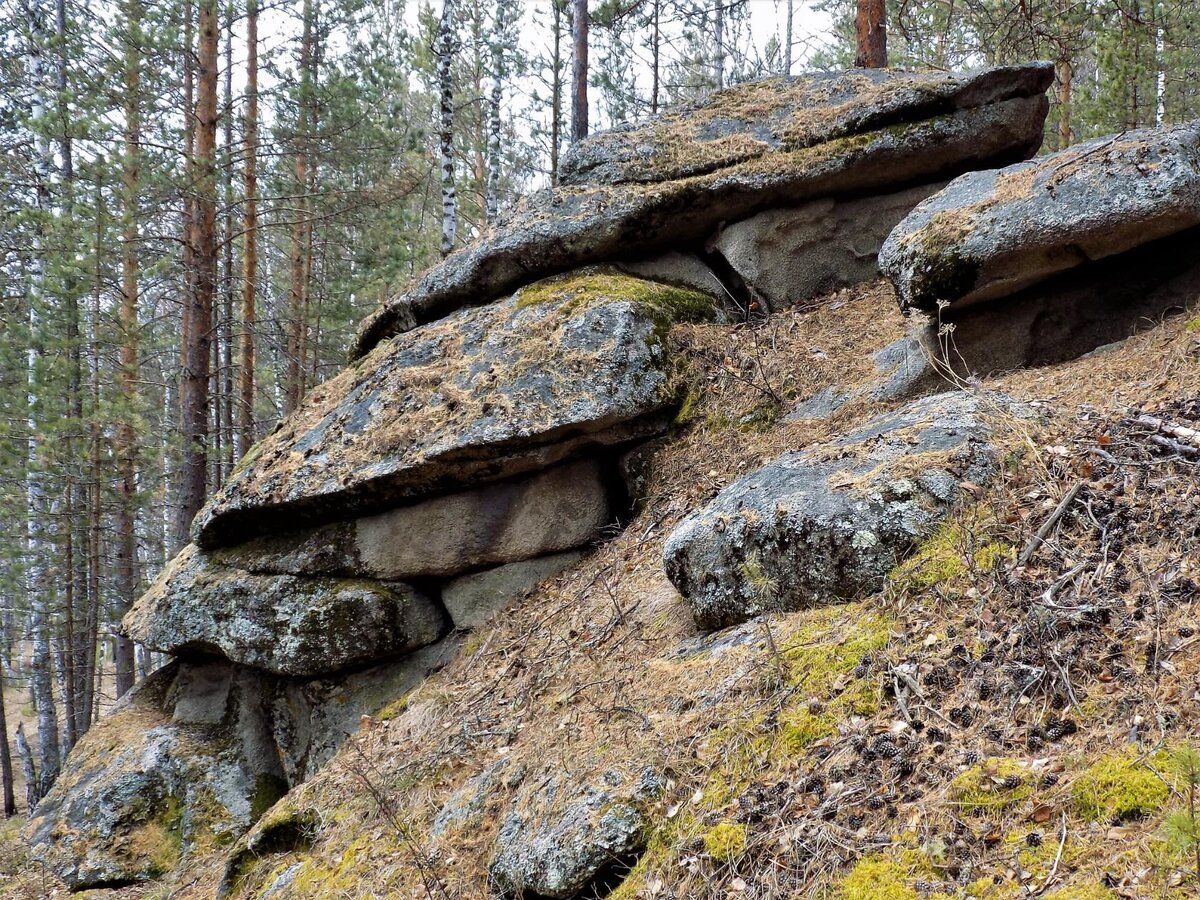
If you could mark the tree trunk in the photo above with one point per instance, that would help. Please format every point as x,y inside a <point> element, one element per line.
<point>296,291</point>
<point>655,56</point>
<point>787,43</point>
<point>556,103</point>
<point>126,443</point>
<point>719,43</point>
<point>6,768</point>
<point>1064,74</point>
<point>445,49</point>
<point>37,581</point>
<point>246,426</point>
<point>183,521</point>
<point>225,465</point>
<point>195,387</point>
<point>499,34</point>
<point>871,34</point>
<point>27,769</point>
<point>579,72</point>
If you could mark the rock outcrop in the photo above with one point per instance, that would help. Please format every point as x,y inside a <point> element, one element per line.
<point>495,426</point>
<point>990,234</point>
<point>769,144</point>
<point>828,523</point>
<point>161,778</point>
<point>285,624</point>
<point>489,393</point>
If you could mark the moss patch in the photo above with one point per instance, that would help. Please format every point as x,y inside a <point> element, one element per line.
<point>1121,786</point>
<point>576,290</point>
<point>876,878</point>
<point>995,784</point>
<point>725,842</point>
<point>950,553</point>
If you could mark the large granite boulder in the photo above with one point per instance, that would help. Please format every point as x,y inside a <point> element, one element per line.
<point>289,625</point>
<point>564,365</point>
<point>990,234</point>
<point>181,768</point>
<point>828,523</point>
<point>779,142</point>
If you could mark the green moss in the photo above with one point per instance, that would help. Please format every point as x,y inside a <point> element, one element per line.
<point>761,417</point>
<point>725,842</point>
<point>1121,786</point>
<point>799,729</point>
<point>668,304</point>
<point>947,555</point>
<point>994,784</point>
<point>268,790</point>
<point>687,406</point>
<point>876,878</point>
<point>1193,324</point>
<point>831,644</point>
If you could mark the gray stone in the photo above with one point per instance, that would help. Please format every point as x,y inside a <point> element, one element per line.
<point>487,394</point>
<point>281,623</point>
<point>1068,315</point>
<point>990,234</point>
<point>766,144</point>
<point>311,719</point>
<point>791,256</point>
<point>560,509</point>
<point>466,805</point>
<point>828,523</point>
<point>682,269</point>
<point>472,599</point>
<point>821,405</point>
<point>559,835</point>
<point>143,792</point>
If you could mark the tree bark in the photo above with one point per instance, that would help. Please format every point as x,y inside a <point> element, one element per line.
<point>787,43</point>
<point>126,444</point>
<point>225,425</point>
<point>871,34</point>
<point>499,35</point>
<point>1063,71</point>
<point>197,375</point>
<point>445,50</point>
<point>296,290</point>
<point>556,103</point>
<point>579,72</point>
<point>6,767</point>
<point>183,520</point>
<point>246,379</point>
<point>719,43</point>
<point>28,769</point>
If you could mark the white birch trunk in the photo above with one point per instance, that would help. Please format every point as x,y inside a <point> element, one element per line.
<point>445,51</point>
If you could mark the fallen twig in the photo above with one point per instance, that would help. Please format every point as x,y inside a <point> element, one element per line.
<point>1059,511</point>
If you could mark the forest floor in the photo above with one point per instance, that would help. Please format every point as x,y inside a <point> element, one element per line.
<point>1010,717</point>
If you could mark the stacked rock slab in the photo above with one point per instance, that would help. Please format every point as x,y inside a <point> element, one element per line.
<point>829,522</point>
<point>485,438</point>
<point>1046,260</point>
<point>668,185</point>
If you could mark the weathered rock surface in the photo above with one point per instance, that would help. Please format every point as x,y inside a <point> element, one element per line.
<point>556,510</point>
<point>157,781</point>
<point>766,144</point>
<point>989,234</point>
<point>560,835</point>
<point>489,393</point>
<point>304,626</point>
<point>472,599</point>
<point>828,523</point>
<point>788,256</point>
<point>681,269</point>
<point>311,718</point>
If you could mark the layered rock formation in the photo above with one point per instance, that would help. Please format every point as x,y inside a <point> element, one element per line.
<point>490,433</point>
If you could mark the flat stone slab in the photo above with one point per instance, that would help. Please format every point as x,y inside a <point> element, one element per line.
<point>638,192</point>
<point>487,394</point>
<point>828,523</point>
<point>289,625</point>
<point>990,234</point>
